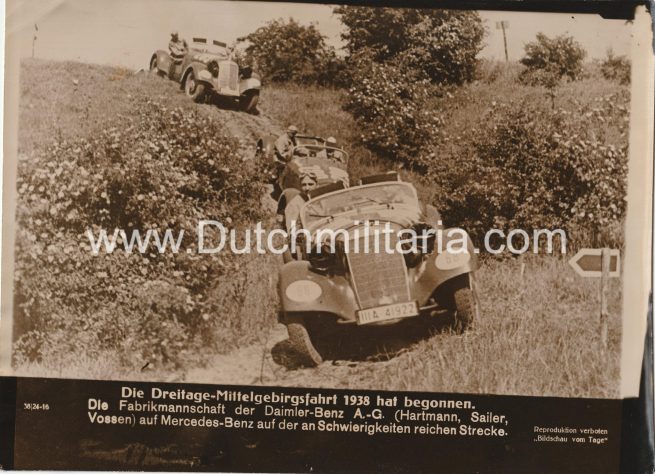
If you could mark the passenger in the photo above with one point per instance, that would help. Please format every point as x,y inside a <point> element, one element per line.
<point>308,181</point>
<point>285,143</point>
<point>177,49</point>
<point>331,152</point>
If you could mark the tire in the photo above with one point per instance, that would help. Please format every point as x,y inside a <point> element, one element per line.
<point>302,344</point>
<point>154,68</point>
<point>248,101</point>
<point>466,309</point>
<point>195,90</point>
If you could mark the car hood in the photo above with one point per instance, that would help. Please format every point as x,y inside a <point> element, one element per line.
<point>398,218</point>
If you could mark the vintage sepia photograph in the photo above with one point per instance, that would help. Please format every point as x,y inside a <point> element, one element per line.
<point>325,196</point>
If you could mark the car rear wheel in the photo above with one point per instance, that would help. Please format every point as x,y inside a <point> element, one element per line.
<point>248,101</point>
<point>194,89</point>
<point>302,344</point>
<point>466,307</point>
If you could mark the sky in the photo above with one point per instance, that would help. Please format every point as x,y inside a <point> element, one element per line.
<point>127,32</point>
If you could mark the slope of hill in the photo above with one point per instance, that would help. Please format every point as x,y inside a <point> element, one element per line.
<point>538,332</point>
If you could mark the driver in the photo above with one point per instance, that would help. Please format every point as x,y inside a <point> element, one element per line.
<point>308,182</point>
<point>285,143</point>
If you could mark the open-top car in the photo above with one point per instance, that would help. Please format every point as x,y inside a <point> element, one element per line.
<point>310,155</point>
<point>349,280</point>
<point>207,69</point>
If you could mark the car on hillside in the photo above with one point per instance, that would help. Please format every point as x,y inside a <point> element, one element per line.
<point>310,155</point>
<point>208,70</point>
<point>342,283</point>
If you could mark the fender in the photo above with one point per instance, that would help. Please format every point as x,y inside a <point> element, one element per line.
<point>336,296</point>
<point>428,276</point>
<point>248,84</point>
<point>163,60</point>
<point>200,72</point>
<point>431,216</point>
<point>287,195</point>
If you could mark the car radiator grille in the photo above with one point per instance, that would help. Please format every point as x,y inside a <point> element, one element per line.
<point>379,278</point>
<point>228,75</point>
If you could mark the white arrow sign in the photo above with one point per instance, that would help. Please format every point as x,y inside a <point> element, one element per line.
<point>589,263</point>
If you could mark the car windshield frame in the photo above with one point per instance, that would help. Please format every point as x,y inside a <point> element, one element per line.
<point>345,201</point>
<point>208,48</point>
<point>314,151</point>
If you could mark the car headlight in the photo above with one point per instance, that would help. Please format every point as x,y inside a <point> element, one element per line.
<point>451,260</point>
<point>303,291</point>
<point>323,260</point>
<point>212,67</point>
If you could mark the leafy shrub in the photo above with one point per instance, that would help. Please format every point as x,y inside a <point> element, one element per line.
<point>156,169</point>
<point>616,68</point>
<point>286,51</point>
<point>398,59</point>
<point>388,103</point>
<point>529,167</point>
<point>440,44</point>
<point>548,60</point>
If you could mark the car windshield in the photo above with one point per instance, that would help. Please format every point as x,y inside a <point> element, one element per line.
<point>320,151</point>
<point>382,195</point>
<point>200,46</point>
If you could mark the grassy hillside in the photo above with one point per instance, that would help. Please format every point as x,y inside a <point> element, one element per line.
<point>164,317</point>
<point>103,148</point>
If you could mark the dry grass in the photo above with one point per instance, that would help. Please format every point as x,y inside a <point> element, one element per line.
<point>537,335</point>
<point>53,106</point>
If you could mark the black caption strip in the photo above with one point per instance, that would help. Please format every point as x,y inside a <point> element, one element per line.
<point>75,424</point>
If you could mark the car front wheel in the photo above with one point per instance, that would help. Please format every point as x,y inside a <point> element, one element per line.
<point>302,343</point>
<point>248,101</point>
<point>194,89</point>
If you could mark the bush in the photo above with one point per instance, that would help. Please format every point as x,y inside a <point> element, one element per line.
<point>398,59</point>
<point>286,51</point>
<point>155,169</point>
<point>440,44</point>
<point>388,103</point>
<point>616,68</point>
<point>548,60</point>
<point>529,167</point>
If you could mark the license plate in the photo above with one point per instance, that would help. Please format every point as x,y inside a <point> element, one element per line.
<point>383,313</point>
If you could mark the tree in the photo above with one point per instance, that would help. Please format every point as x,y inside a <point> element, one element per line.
<point>286,51</point>
<point>548,60</point>
<point>441,44</point>
<point>616,68</point>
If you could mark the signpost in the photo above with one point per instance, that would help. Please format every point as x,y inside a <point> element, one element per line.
<point>599,263</point>
<point>589,263</point>
<point>503,25</point>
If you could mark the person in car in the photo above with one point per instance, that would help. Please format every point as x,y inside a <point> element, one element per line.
<point>308,182</point>
<point>330,151</point>
<point>177,49</point>
<point>285,143</point>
